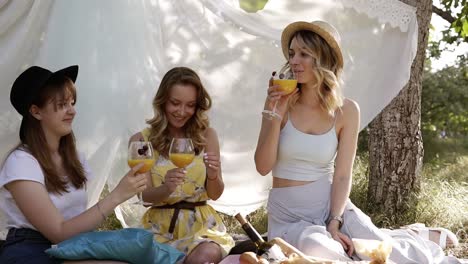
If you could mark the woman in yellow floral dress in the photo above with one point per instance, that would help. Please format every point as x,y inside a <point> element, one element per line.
<point>185,221</point>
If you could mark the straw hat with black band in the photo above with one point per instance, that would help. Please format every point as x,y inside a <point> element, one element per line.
<point>29,84</point>
<point>321,28</point>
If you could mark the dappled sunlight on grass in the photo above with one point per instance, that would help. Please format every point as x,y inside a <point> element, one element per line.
<point>444,200</point>
<point>456,171</point>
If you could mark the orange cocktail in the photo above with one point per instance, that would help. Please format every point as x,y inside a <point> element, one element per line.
<point>286,85</point>
<point>148,164</point>
<point>181,160</point>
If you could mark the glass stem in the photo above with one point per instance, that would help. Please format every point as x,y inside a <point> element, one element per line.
<point>274,107</point>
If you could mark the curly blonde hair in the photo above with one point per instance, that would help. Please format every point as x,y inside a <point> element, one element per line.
<point>327,71</point>
<point>195,126</point>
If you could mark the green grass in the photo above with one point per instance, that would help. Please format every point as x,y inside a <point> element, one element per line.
<point>442,152</point>
<point>258,219</point>
<point>111,223</point>
<point>442,202</point>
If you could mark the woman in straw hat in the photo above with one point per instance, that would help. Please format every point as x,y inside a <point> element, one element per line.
<point>310,148</point>
<point>43,180</point>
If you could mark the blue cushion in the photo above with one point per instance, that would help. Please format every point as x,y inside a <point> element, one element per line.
<point>132,245</point>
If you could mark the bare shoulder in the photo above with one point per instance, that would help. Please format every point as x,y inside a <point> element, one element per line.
<point>350,109</point>
<point>348,114</point>
<point>212,143</point>
<point>136,137</point>
<point>210,134</point>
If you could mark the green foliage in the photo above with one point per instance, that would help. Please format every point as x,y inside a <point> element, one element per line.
<point>458,31</point>
<point>443,104</point>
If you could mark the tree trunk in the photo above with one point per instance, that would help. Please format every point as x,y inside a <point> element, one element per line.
<point>395,142</point>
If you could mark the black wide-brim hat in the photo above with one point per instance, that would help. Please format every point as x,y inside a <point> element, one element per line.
<point>29,84</point>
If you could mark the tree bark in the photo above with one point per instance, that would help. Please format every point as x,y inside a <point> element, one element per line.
<point>395,141</point>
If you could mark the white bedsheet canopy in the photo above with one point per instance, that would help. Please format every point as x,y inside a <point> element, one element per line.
<point>124,48</point>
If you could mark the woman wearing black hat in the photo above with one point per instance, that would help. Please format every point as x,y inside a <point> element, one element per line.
<point>310,148</point>
<point>43,180</point>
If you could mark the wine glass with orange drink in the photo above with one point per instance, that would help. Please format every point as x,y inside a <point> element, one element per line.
<point>181,154</point>
<point>287,83</point>
<point>141,152</point>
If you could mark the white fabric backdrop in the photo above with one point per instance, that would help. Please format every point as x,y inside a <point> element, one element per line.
<point>125,47</point>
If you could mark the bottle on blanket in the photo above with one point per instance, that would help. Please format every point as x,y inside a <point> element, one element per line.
<point>266,250</point>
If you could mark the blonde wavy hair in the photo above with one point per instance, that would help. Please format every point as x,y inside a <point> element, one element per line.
<point>195,126</point>
<point>326,70</point>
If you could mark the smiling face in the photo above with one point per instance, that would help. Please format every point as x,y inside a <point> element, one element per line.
<point>55,109</point>
<point>181,105</point>
<point>56,115</point>
<point>301,61</point>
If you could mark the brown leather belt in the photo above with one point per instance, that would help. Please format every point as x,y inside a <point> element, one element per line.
<point>177,206</point>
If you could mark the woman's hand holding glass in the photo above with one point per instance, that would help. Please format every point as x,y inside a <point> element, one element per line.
<point>131,184</point>
<point>181,154</point>
<point>174,178</point>
<point>141,155</point>
<point>281,87</point>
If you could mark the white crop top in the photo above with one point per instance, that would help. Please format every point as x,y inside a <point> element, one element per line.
<point>21,165</point>
<point>305,157</point>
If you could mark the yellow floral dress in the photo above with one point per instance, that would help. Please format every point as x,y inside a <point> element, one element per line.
<point>193,226</point>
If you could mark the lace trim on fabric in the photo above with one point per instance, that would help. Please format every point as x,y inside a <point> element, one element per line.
<point>397,13</point>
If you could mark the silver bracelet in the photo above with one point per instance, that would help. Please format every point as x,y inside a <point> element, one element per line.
<point>268,115</point>
<point>100,211</point>
<point>336,218</point>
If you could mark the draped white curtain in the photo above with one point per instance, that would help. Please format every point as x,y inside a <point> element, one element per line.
<point>125,47</point>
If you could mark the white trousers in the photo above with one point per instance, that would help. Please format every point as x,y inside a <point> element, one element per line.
<point>298,214</point>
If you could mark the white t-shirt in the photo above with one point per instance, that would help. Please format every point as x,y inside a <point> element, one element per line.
<point>21,165</point>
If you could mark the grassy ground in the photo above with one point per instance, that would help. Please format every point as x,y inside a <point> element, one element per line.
<point>443,201</point>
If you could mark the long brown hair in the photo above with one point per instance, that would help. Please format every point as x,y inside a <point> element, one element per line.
<point>34,140</point>
<point>327,70</point>
<point>195,126</point>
